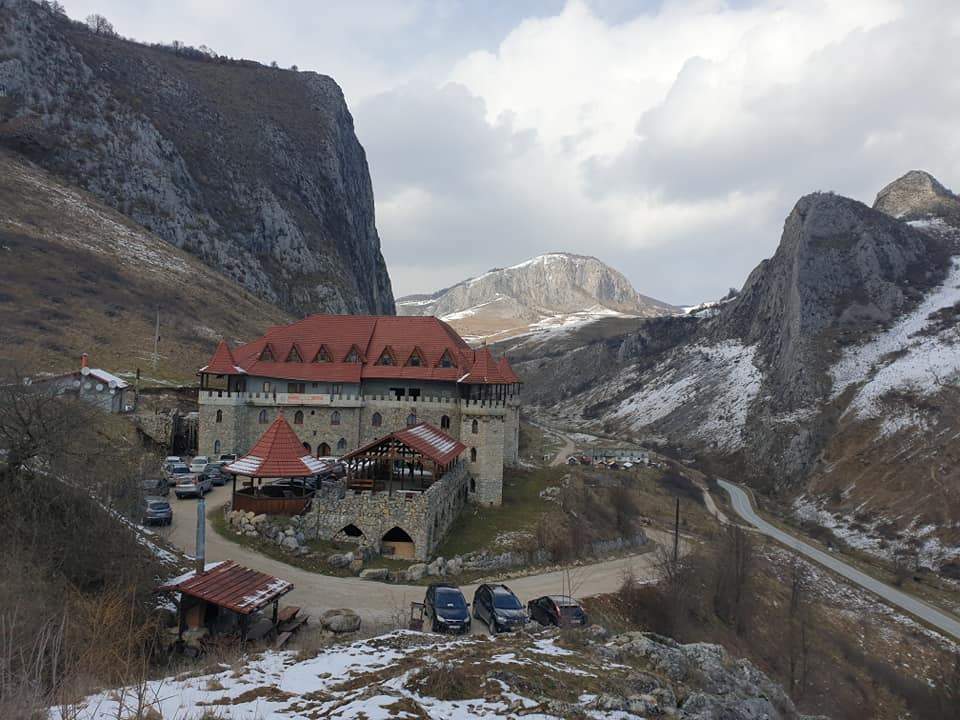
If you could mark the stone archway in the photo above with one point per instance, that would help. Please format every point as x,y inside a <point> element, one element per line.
<point>323,450</point>
<point>396,542</point>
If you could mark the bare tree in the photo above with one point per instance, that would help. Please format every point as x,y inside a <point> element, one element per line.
<point>798,618</point>
<point>100,25</point>
<point>734,569</point>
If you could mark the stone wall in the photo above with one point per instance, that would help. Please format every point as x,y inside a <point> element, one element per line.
<point>496,441</point>
<point>424,516</point>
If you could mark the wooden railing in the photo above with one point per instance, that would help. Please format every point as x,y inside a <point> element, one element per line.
<point>263,505</point>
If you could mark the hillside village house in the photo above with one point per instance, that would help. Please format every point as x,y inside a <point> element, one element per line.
<point>344,382</point>
<point>93,385</point>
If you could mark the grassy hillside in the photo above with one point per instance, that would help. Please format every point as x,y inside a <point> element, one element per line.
<point>76,276</point>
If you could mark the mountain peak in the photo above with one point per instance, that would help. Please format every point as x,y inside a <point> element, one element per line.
<point>551,288</point>
<point>918,195</point>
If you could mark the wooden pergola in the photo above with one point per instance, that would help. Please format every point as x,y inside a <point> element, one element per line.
<point>278,454</point>
<point>411,459</point>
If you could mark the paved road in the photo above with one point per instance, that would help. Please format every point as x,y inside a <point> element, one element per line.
<point>743,507</point>
<point>382,603</point>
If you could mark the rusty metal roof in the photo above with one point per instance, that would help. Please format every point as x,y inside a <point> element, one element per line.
<point>231,586</point>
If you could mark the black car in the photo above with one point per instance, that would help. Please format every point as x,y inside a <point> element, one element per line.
<point>214,473</point>
<point>560,610</point>
<point>155,487</point>
<point>499,608</point>
<point>446,608</point>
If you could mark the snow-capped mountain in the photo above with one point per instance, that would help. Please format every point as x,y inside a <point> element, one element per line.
<point>555,290</point>
<point>833,377</point>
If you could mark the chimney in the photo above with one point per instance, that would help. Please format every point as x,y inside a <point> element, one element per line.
<point>83,361</point>
<point>201,536</point>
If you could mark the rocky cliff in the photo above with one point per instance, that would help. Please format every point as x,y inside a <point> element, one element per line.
<point>839,350</point>
<point>555,289</point>
<point>255,170</point>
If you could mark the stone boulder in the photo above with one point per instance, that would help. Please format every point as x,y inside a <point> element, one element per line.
<point>342,620</point>
<point>289,542</point>
<point>437,567</point>
<point>416,572</point>
<point>356,566</point>
<point>454,566</point>
<point>340,560</point>
<point>374,574</point>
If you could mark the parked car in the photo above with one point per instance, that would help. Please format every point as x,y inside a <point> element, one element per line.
<point>176,472</point>
<point>446,609</point>
<point>560,610</point>
<point>227,458</point>
<point>499,608</point>
<point>214,472</point>
<point>157,511</point>
<point>153,487</point>
<point>192,486</point>
<point>199,463</point>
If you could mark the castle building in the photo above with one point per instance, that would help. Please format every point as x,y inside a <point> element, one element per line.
<point>344,381</point>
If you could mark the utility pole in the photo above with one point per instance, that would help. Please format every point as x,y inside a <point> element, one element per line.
<point>156,339</point>
<point>676,533</point>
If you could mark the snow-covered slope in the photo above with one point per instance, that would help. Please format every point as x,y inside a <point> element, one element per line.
<point>549,291</point>
<point>417,675</point>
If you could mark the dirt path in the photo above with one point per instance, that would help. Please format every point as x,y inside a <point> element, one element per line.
<point>564,452</point>
<point>381,602</point>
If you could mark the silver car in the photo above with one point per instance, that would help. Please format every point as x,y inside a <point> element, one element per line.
<point>192,486</point>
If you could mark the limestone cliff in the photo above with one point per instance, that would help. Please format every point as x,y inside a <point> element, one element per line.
<point>255,170</point>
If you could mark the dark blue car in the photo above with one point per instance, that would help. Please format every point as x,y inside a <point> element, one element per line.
<point>446,608</point>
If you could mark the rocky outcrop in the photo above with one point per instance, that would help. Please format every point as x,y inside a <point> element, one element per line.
<point>751,383</point>
<point>918,196</point>
<point>255,170</point>
<point>556,287</point>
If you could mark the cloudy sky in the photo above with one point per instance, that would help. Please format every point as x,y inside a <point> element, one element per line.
<point>669,139</point>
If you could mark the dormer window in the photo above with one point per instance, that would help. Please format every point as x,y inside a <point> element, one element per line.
<point>447,360</point>
<point>386,358</point>
<point>294,355</point>
<point>415,359</point>
<point>266,355</point>
<point>353,356</point>
<point>323,355</point>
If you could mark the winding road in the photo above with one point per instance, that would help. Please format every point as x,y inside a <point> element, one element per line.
<point>929,614</point>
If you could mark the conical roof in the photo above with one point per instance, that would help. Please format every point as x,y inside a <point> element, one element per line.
<point>222,362</point>
<point>277,454</point>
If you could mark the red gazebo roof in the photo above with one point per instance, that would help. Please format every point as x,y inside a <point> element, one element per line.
<point>278,453</point>
<point>425,439</point>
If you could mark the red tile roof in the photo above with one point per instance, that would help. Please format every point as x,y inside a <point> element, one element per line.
<point>277,454</point>
<point>222,362</point>
<point>370,335</point>
<point>427,440</point>
<point>231,586</point>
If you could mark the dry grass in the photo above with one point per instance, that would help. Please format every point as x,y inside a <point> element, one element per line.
<point>65,290</point>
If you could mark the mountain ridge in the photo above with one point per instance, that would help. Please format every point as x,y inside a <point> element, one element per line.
<point>550,290</point>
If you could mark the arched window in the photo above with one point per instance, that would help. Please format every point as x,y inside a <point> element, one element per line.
<point>306,446</point>
<point>216,447</point>
<point>473,485</point>
<point>473,454</point>
<point>262,418</point>
<point>298,417</point>
<point>445,422</point>
<point>475,427</point>
<point>219,415</point>
<point>335,417</point>
<point>342,444</point>
<point>411,419</point>
<point>376,420</point>
<point>323,450</point>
